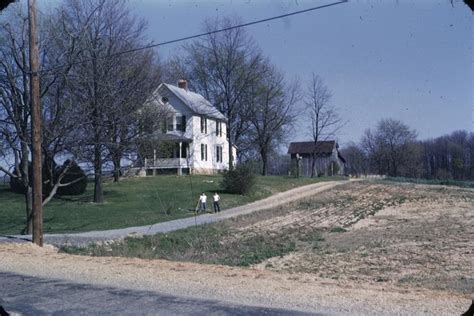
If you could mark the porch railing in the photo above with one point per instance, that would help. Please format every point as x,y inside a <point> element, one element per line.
<point>164,163</point>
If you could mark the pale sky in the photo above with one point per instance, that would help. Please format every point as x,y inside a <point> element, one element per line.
<point>409,60</point>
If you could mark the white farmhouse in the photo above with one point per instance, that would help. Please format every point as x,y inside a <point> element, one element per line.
<point>196,131</point>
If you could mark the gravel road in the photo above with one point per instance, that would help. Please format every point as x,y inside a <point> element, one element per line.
<point>81,239</point>
<point>27,295</point>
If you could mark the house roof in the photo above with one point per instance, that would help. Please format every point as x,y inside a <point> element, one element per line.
<point>323,147</point>
<point>196,102</point>
<point>170,136</point>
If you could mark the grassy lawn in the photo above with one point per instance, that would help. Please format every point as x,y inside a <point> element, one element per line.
<point>456,183</point>
<point>134,202</point>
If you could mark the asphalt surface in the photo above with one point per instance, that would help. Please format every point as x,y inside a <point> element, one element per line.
<point>27,295</point>
<point>83,239</point>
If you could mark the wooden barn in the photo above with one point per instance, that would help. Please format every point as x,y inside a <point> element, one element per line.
<point>328,162</point>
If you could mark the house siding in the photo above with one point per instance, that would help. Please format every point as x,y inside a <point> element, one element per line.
<point>211,139</point>
<point>193,131</point>
<point>322,164</point>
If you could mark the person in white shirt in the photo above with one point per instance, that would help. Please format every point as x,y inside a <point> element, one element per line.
<point>216,198</point>
<point>202,202</point>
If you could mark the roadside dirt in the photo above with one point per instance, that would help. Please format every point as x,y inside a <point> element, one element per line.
<point>297,291</point>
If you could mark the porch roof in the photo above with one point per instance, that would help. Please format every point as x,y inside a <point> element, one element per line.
<point>170,137</point>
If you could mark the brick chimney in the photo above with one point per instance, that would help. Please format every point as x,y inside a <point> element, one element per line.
<point>183,84</point>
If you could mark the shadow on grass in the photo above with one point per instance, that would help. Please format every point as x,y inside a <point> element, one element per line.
<point>15,238</point>
<point>73,198</point>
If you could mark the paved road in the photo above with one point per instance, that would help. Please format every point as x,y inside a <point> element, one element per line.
<point>81,239</point>
<point>27,295</point>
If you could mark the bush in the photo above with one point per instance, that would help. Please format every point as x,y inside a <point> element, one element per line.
<point>16,185</point>
<point>74,173</point>
<point>240,180</point>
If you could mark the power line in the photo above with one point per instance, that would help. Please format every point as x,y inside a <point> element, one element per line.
<point>198,35</point>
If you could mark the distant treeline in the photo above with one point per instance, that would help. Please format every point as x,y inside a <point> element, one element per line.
<point>392,149</point>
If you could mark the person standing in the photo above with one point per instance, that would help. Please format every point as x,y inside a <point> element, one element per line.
<point>202,202</point>
<point>216,199</point>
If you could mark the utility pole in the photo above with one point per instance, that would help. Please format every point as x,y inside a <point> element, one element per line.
<point>35,127</point>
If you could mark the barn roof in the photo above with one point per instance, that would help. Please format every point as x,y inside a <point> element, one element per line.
<point>322,147</point>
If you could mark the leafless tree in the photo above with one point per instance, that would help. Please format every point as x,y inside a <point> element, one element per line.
<point>356,160</point>
<point>392,145</point>
<point>139,75</point>
<point>324,118</point>
<point>369,144</point>
<point>15,113</point>
<point>449,156</point>
<point>106,85</point>
<point>222,67</point>
<point>271,105</point>
<point>14,101</point>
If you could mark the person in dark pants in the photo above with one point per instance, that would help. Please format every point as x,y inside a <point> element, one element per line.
<point>216,198</point>
<point>202,202</point>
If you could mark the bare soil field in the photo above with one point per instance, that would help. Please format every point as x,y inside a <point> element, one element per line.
<point>417,235</point>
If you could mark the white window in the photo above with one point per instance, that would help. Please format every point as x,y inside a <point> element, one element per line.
<point>219,153</point>
<point>219,128</point>
<point>204,152</point>
<point>203,125</point>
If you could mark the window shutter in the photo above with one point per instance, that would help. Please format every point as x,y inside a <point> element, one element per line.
<point>206,152</point>
<point>183,123</point>
<point>163,126</point>
<point>202,151</point>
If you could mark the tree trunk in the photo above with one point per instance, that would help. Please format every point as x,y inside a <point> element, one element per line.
<point>98,193</point>
<point>29,211</point>
<point>313,166</point>
<point>49,167</point>
<point>25,179</point>
<point>116,162</point>
<point>231,157</point>
<point>264,163</point>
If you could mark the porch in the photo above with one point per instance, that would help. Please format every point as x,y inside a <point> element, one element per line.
<point>172,160</point>
<point>157,166</point>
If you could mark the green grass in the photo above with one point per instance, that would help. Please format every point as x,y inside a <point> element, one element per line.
<point>134,202</point>
<point>338,229</point>
<point>457,183</point>
<point>210,243</point>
